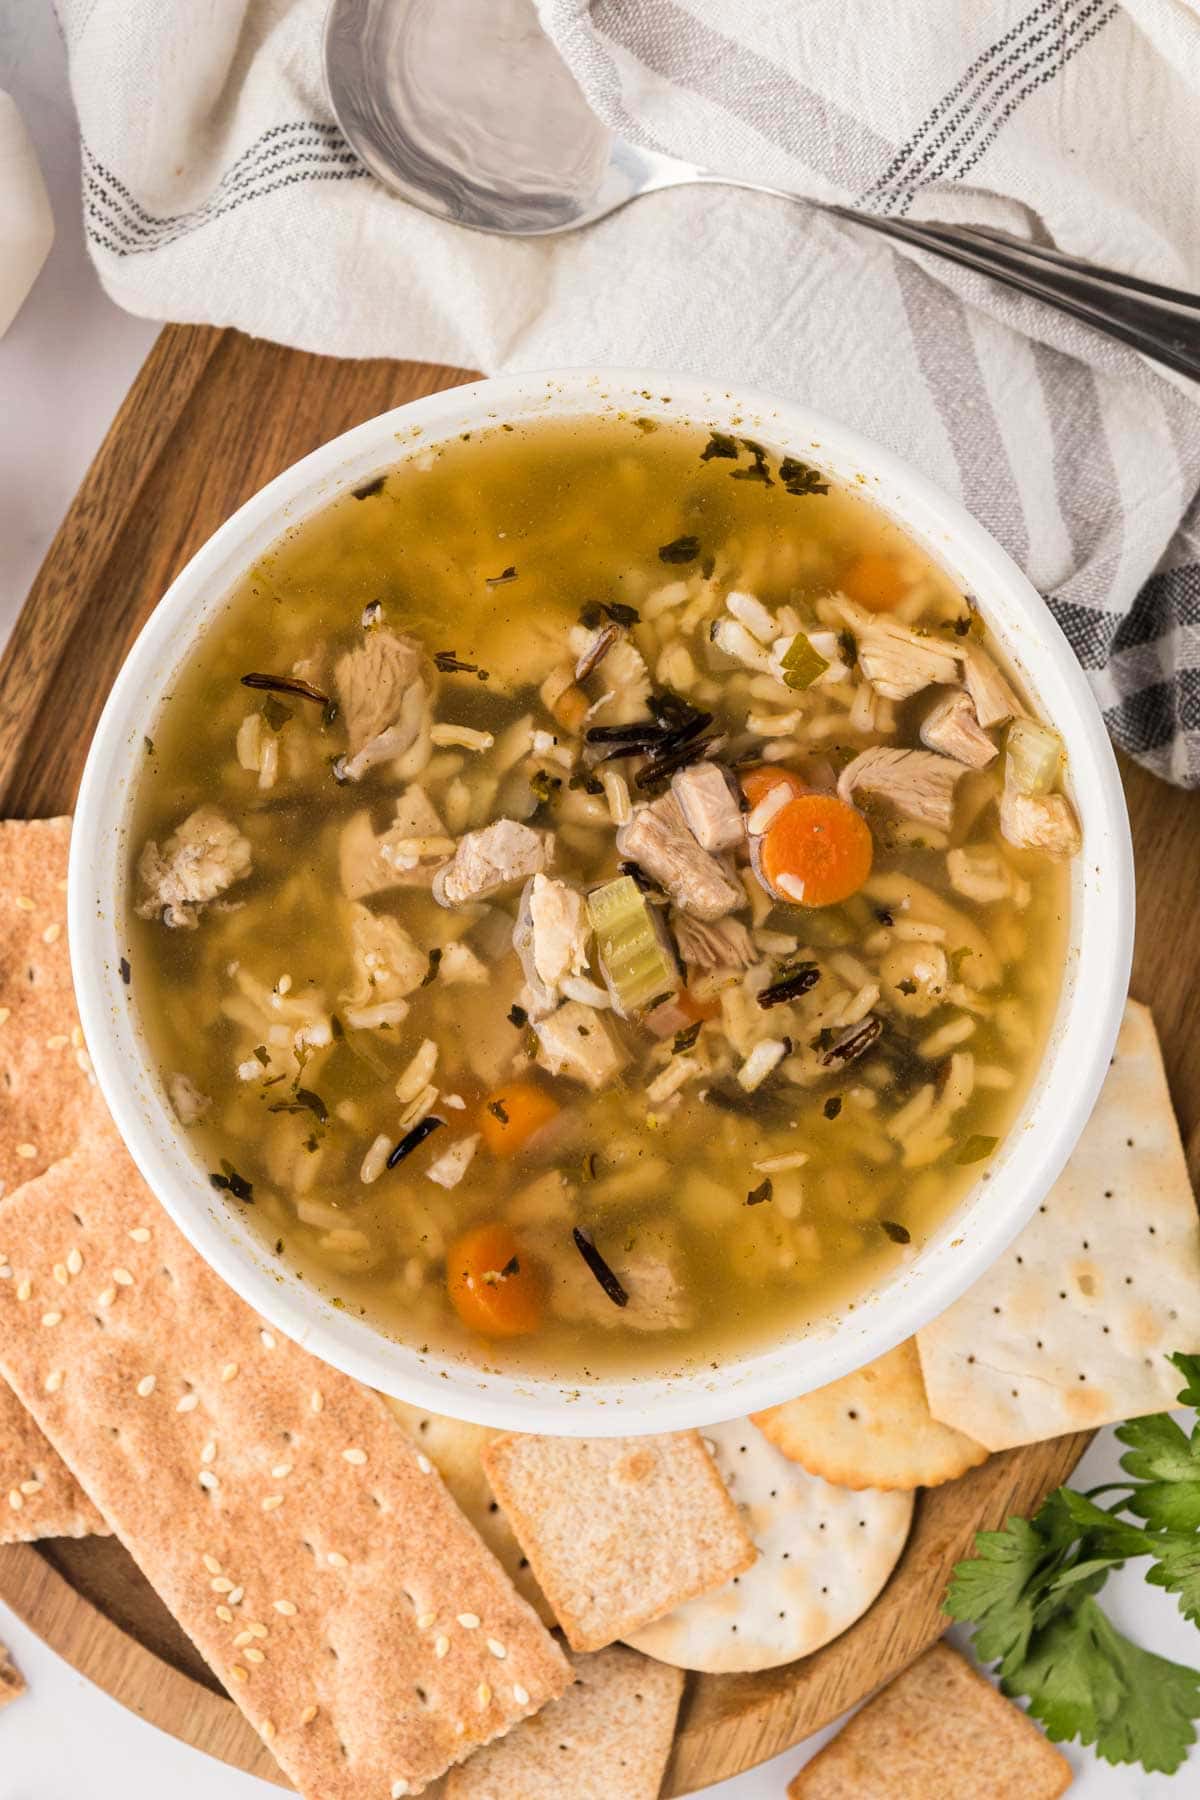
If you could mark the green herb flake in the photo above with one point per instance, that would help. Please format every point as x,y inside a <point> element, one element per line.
<point>680,550</point>
<point>544,786</point>
<point>801,478</point>
<point>720,444</point>
<point>275,713</point>
<point>685,1039</point>
<point>832,1106</point>
<point>899,1234</point>
<point>762,1192</point>
<point>502,579</point>
<point>518,1017</point>
<point>435,962</point>
<point>498,1111</point>
<point>975,1148</point>
<point>802,664</point>
<point>758,471</point>
<point>263,1054</point>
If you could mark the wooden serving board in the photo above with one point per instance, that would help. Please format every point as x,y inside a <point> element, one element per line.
<point>212,416</point>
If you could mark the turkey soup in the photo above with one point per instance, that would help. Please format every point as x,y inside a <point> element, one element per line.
<point>599,898</point>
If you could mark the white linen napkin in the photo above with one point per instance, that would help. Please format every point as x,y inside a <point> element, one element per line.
<point>218,189</point>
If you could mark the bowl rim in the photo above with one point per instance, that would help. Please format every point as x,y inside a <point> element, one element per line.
<point>1032,1154</point>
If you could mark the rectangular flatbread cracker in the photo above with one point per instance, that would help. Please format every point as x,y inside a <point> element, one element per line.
<point>610,1735</point>
<point>937,1729</point>
<point>48,1101</point>
<point>1072,1326</point>
<point>618,1531</point>
<point>301,1539</point>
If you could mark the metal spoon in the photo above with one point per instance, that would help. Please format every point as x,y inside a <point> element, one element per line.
<point>465,109</point>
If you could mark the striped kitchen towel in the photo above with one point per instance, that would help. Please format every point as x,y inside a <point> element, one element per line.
<point>218,188</point>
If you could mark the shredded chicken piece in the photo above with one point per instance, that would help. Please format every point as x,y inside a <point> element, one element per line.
<point>992,697</point>
<point>408,854</point>
<point>951,727</point>
<point>979,873</point>
<point>202,857</point>
<point>454,1162</point>
<point>486,861</point>
<point>187,1100</point>
<point>460,967</point>
<point>913,978</point>
<point>648,1270</point>
<point>577,1042</point>
<point>387,963</point>
<point>724,944</point>
<point>896,660</point>
<point>550,938</point>
<point>918,783</point>
<point>709,806</point>
<point>384,692</point>
<point>1043,822</point>
<point>658,839</point>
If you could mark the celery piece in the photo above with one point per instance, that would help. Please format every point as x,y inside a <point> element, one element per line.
<point>1034,756</point>
<point>635,959</point>
<point>801,663</point>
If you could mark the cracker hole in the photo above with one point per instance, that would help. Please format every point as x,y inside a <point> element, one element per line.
<point>332,1651</point>
<point>850,1413</point>
<point>77,1220</point>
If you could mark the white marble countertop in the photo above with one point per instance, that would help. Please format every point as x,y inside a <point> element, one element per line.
<point>65,366</point>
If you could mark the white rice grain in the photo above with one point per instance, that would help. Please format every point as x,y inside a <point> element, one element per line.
<point>418,1072</point>
<point>462,736</point>
<point>375,1161</point>
<point>616,792</point>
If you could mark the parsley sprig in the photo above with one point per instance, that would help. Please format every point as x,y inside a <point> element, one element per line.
<point>1030,1594</point>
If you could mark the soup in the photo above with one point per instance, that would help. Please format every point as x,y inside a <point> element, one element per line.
<point>598,899</point>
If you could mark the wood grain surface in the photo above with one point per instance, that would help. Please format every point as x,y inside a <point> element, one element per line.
<point>212,416</point>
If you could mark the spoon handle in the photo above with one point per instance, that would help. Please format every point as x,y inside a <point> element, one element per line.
<point>1161,322</point>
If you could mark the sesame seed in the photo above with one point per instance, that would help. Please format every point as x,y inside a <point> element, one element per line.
<point>440,1646</point>
<point>237,1596</point>
<point>59,1041</point>
<point>5,1271</point>
<point>225,1616</point>
<point>5,1014</point>
<point>32,1487</point>
<point>208,1480</point>
<point>24,1290</point>
<point>271,1502</point>
<point>520,1694</point>
<point>357,1457</point>
<point>208,1452</point>
<point>83,1061</point>
<point>77,1036</point>
<point>188,1403</point>
<point>238,1673</point>
<point>424,1464</point>
<point>257,1629</point>
<point>140,1234</point>
<point>315,1400</point>
<point>74,1262</point>
<point>266,1730</point>
<point>497,1649</point>
<point>52,1318</point>
<point>242,1639</point>
<point>268,1341</point>
<point>399,1790</point>
<point>308,1715</point>
<point>60,1271</point>
<point>280,1471</point>
<point>51,934</point>
<point>107,1297</point>
<point>24,905</point>
<point>459,1727</point>
<point>122,1277</point>
<point>286,1607</point>
<point>146,1386</point>
<point>337,1560</point>
<point>229,1371</point>
<point>425,1620</point>
<point>483,1695</point>
<point>15,1500</point>
<point>27,1152</point>
<point>221,1584</point>
<point>54,1380</point>
<point>469,1621</point>
<point>254,1656</point>
<point>211,1563</point>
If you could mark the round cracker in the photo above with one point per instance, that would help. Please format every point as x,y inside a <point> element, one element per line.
<point>454,1448</point>
<point>823,1555</point>
<point>872,1429</point>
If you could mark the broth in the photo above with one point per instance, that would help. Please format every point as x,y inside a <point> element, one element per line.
<point>829,1056</point>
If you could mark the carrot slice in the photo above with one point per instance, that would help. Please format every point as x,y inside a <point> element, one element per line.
<point>758,782</point>
<point>816,851</point>
<point>874,581</point>
<point>493,1288</point>
<point>512,1114</point>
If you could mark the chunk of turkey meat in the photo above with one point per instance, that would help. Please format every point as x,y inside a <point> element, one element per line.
<point>487,861</point>
<point>979,873</point>
<point>658,840</point>
<point>896,660</point>
<point>918,783</point>
<point>1043,822</point>
<point>186,1098</point>
<point>709,806</point>
<point>991,695</point>
<point>387,963</point>
<point>951,727</point>
<point>577,1042</point>
<point>913,978</point>
<point>384,691</point>
<point>371,863</point>
<point>724,944</point>
<point>550,938</point>
<point>622,676</point>
<point>649,1271</point>
<point>202,857</point>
